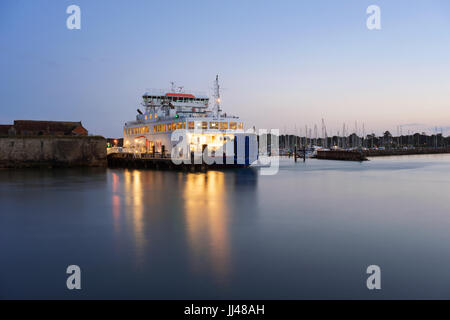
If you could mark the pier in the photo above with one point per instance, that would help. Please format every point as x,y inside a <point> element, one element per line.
<point>362,155</point>
<point>341,155</point>
<point>164,162</point>
<point>403,152</point>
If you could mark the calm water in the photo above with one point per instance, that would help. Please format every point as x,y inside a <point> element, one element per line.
<point>308,232</point>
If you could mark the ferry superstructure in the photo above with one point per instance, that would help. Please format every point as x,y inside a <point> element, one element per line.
<point>165,111</point>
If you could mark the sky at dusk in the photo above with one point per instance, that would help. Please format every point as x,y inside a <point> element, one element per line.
<point>282,64</point>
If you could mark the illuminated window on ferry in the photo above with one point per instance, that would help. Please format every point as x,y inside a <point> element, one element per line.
<point>156,116</point>
<point>224,125</point>
<point>146,117</point>
<point>241,125</point>
<point>154,129</point>
<point>214,125</point>
<point>150,116</point>
<point>204,125</point>
<point>184,125</point>
<point>233,125</point>
<point>191,125</point>
<point>179,125</point>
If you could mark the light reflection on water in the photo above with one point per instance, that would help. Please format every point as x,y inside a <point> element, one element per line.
<point>308,232</point>
<point>206,212</point>
<point>200,200</point>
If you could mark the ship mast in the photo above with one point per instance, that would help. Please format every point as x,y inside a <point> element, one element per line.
<point>217,109</point>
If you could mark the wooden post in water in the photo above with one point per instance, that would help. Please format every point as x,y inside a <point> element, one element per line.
<point>204,147</point>
<point>304,153</point>
<point>295,154</point>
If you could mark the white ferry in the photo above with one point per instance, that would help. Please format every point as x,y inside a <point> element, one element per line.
<point>165,111</point>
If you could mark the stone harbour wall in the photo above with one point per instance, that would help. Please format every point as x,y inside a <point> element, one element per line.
<point>52,151</point>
